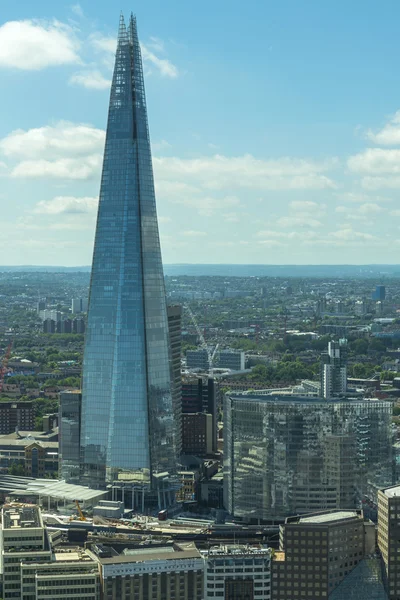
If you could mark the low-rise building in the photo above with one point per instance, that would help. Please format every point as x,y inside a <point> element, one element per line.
<point>236,572</point>
<point>143,574</point>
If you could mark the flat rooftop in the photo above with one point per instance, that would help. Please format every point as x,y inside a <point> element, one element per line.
<point>22,516</point>
<point>299,399</point>
<point>145,555</point>
<point>393,491</point>
<point>340,515</point>
<point>237,550</point>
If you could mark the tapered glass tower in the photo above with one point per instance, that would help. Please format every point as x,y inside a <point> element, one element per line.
<point>128,429</point>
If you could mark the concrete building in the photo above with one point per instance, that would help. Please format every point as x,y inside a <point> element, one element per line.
<point>149,574</point>
<point>23,538</point>
<point>389,537</point>
<point>197,434</point>
<point>199,395</point>
<point>289,454</point>
<point>334,370</point>
<point>79,305</point>
<point>231,359</point>
<point>316,552</point>
<point>32,571</point>
<point>16,415</point>
<point>237,572</point>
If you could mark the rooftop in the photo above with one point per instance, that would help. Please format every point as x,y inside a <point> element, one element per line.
<point>293,399</point>
<point>167,553</point>
<point>331,517</point>
<point>48,488</point>
<point>392,491</point>
<point>21,516</point>
<point>237,550</point>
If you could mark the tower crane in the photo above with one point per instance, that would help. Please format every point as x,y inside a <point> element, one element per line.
<point>210,356</point>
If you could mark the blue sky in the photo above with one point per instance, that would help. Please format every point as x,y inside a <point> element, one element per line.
<point>275,128</point>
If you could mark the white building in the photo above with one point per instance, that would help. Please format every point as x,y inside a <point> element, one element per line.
<point>236,571</point>
<point>334,370</point>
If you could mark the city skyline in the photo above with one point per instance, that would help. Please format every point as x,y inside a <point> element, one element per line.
<point>279,149</point>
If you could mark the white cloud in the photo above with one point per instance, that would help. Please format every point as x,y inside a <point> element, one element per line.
<point>32,45</point>
<point>350,235</point>
<point>164,219</point>
<point>78,10</point>
<point>63,138</point>
<point>375,161</point>
<point>91,80</point>
<point>165,67</point>
<point>219,172</point>
<point>395,213</point>
<point>66,205</point>
<point>370,207</point>
<point>361,198</point>
<point>161,145</point>
<point>64,168</point>
<point>390,134</point>
<point>103,43</point>
<point>206,205</point>
<point>194,233</point>
<point>300,205</point>
<point>231,217</point>
<point>298,222</point>
<point>380,183</point>
<point>342,209</point>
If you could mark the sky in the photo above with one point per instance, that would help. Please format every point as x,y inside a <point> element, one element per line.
<point>275,128</point>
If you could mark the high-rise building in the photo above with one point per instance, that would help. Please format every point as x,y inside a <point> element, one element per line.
<point>175,335</point>
<point>199,395</point>
<point>128,428</point>
<point>334,370</point>
<point>379,293</point>
<point>317,551</point>
<point>237,572</point>
<point>69,435</point>
<point>79,305</point>
<point>287,455</point>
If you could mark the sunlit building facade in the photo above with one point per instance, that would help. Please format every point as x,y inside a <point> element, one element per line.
<point>285,455</point>
<point>128,431</point>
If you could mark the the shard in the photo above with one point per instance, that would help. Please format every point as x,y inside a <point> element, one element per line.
<point>129,428</point>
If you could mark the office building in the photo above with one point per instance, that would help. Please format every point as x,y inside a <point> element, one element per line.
<point>23,539</point>
<point>79,305</point>
<point>16,415</point>
<point>199,395</point>
<point>29,453</point>
<point>379,294</point>
<point>237,572</point>
<point>174,313</point>
<point>334,370</point>
<point>197,360</point>
<point>69,435</point>
<point>231,359</point>
<point>152,573</point>
<point>288,455</point>
<point>389,538</point>
<point>128,429</point>
<point>72,573</point>
<point>49,326</point>
<point>318,551</point>
<point>197,434</point>
<point>40,305</point>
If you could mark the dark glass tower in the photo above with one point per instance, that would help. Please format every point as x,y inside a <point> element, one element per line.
<point>128,429</point>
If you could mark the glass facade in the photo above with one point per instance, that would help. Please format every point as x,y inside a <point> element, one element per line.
<point>127,428</point>
<point>69,435</point>
<point>285,455</point>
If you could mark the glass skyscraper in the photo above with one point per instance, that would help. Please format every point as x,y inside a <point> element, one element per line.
<point>128,424</point>
<point>285,455</point>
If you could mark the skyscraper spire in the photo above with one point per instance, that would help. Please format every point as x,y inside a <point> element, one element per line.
<point>129,430</point>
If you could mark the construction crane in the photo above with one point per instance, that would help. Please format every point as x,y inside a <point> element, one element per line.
<point>3,369</point>
<point>210,357</point>
<point>81,516</point>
